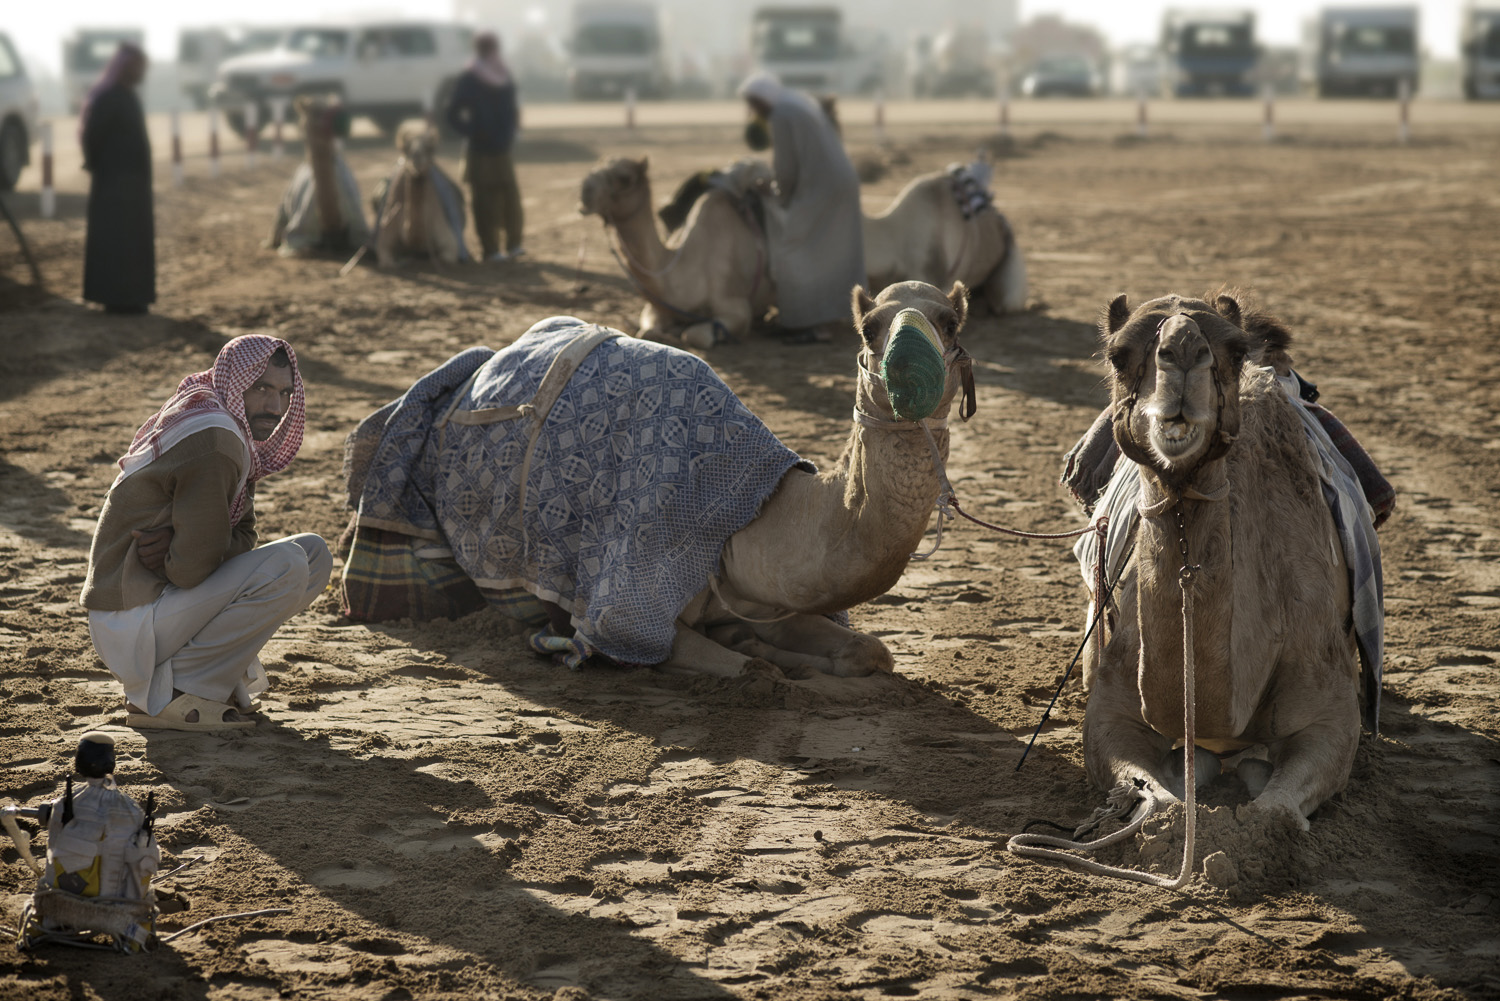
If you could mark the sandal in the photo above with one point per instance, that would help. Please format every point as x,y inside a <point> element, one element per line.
<point>211,716</point>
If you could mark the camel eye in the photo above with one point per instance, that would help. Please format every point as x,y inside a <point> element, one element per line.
<point>1117,358</point>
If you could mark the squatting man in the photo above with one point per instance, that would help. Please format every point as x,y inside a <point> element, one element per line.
<point>180,597</point>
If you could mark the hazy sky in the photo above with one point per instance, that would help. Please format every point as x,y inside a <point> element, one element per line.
<point>38,28</point>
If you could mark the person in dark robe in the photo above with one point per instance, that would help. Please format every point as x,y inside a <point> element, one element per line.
<point>119,265</point>
<point>484,111</point>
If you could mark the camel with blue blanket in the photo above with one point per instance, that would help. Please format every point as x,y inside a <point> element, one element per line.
<point>1240,577</point>
<point>419,211</point>
<point>618,496</point>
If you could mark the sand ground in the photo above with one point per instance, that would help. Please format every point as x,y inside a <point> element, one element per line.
<point>446,815</point>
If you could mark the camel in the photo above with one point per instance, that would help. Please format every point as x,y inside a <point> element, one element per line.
<point>820,542</point>
<point>321,210</point>
<point>1227,471</point>
<point>713,273</point>
<point>710,277</point>
<point>419,211</point>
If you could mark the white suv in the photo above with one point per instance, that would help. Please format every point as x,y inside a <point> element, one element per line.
<point>17,115</point>
<point>386,71</point>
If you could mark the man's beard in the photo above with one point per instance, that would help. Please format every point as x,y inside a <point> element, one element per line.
<point>255,432</point>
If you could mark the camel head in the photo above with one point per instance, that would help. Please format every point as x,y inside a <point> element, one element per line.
<point>616,190</point>
<point>418,145</point>
<point>1175,379</point>
<point>910,360</point>
<point>321,122</point>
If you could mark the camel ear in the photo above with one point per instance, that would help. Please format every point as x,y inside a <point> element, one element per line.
<point>1114,315</point>
<point>958,298</point>
<point>642,164</point>
<point>860,305</point>
<point>1229,308</point>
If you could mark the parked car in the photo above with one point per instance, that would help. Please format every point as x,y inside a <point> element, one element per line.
<point>201,50</point>
<point>1062,76</point>
<point>386,71</point>
<point>17,115</point>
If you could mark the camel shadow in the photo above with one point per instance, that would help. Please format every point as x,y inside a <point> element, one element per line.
<point>380,831</point>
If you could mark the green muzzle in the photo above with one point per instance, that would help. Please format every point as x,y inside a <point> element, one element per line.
<point>912,367</point>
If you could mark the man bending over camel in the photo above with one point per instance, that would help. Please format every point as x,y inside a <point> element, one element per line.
<point>180,598</point>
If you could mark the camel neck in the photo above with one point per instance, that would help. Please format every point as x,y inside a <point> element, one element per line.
<point>1206,528</point>
<point>645,254</point>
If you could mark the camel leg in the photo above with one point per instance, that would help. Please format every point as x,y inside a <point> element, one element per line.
<point>1005,289</point>
<point>650,327</point>
<point>816,641</point>
<point>692,651</point>
<point>1118,745</point>
<point>1313,763</point>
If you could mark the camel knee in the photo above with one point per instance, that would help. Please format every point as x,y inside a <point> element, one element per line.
<point>863,654</point>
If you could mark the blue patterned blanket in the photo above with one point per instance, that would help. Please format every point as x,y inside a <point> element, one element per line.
<point>645,466</point>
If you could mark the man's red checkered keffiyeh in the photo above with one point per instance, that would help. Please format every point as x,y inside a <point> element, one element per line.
<point>221,391</point>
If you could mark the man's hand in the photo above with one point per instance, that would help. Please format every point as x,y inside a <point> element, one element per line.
<point>151,547</point>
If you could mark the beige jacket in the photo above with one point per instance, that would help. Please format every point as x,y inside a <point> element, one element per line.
<point>190,488</point>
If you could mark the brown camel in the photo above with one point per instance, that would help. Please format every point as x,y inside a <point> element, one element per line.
<point>1228,472</point>
<point>320,210</point>
<point>410,217</point>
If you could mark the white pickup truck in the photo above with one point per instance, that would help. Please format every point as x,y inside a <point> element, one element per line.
<point>385,71</point>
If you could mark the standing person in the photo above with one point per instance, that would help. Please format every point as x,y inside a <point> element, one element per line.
<point>180,598</point>
<point>813,226</point>
<point>119,262</point>
<point>484,111</point>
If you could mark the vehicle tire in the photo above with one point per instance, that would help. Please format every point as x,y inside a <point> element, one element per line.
<point>14,152</point>
<point>236,122</point>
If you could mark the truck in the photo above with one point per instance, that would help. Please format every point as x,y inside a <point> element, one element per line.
<point>85,53</point>
<point>615,48</point>
<point>808,48</point>
<point>1361,51</point>
<point>1210,53</point>
<point>1479,49</point>
<point>386,71</point>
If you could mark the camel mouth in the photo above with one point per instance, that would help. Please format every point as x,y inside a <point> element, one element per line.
<point>1175,438</point>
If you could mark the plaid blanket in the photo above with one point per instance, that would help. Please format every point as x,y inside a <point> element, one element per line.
<point>1353,516</point>
<point>642,469</point>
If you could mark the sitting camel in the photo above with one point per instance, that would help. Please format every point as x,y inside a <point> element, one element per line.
<point>711,276</point>
<point>714,271</point>
<point>1230,485</point>
<point>625,486</point>
<point>321,210</point>
<point>419,211</point>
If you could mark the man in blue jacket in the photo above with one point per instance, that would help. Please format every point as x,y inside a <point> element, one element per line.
<point>484,110</point>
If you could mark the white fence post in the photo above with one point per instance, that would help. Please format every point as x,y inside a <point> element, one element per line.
<point>1268,123</point>
<point>213,142</point>
<point>278,118</point>
<point>630,108</point>
<point>1403,94</point>
<point>1140,113</point>
<point>49,194</point>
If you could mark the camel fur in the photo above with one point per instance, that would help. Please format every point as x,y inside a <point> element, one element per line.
<point>320,210</point>
<point>1275,661</point>
<point>715,267</point>
<point>411,221</point>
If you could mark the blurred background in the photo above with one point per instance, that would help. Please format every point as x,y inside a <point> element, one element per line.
<point>391,60</point>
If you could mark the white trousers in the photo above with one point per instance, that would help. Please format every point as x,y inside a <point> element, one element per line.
<point>205,640</point>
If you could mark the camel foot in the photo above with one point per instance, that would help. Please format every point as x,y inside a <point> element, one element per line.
<point>700,336</point>
<point>1255,773</point>
<point>1206,768</point>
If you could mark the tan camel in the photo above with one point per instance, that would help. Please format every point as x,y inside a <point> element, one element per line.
<point>1219,443</point>
<point>714,268</point>
<point>410,215</point>
<point>831,540</point>
<point>320,210</point>
<point>923,235</point>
